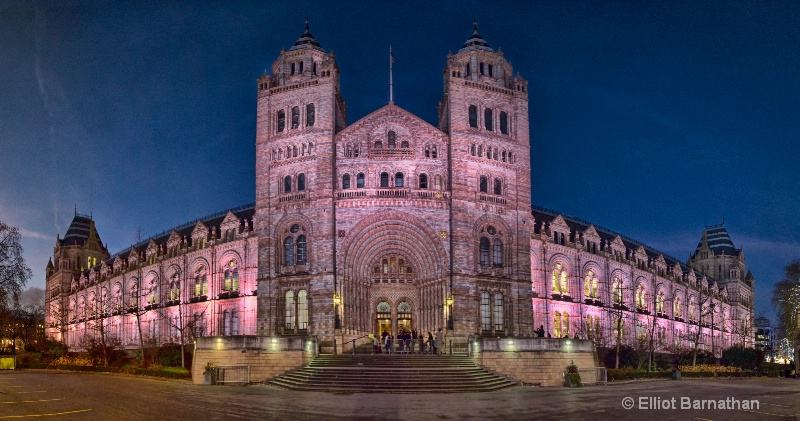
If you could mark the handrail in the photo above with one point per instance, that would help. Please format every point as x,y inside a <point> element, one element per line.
<point>354,343</point>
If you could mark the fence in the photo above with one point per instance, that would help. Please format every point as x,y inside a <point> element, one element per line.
<point>238,374</point>
<point>594,375</point>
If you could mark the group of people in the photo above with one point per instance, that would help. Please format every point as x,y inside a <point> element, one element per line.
<point>406,342</point>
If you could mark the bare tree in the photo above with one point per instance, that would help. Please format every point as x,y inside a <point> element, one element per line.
<point>14,274</point>
<point>786,298</point>
<point>186,325</point>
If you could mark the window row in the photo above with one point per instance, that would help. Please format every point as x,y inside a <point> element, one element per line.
<point>352,150</point>
<point>295,117</point>
<point>292,151</point>
<point>297,183</point>
<point>491,252</point>
<point>391,141</point>
<point>491,153</point>
<point>483,185</point>
<point>388,180</point>
<point>298,67</point>
<point>488,119</point>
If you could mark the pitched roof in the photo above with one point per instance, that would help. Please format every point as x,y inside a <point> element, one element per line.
<point>79,231</point>
<point>719,241</point>
<point>475,41</point>
<point>306,40</point>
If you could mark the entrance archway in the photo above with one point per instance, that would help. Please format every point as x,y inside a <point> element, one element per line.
<point>404,317</point>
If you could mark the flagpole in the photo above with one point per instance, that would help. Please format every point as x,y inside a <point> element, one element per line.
<point>391,87</point>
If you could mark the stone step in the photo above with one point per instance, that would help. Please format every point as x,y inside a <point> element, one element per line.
<point>392,374</point>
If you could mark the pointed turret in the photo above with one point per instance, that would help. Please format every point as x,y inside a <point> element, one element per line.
<point>306,41</point>
<point>475,41</point>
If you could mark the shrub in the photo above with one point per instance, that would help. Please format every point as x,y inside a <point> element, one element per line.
<point>746,358</point>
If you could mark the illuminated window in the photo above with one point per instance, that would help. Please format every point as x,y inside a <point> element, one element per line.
<point>676,308</point>
<point>660,302</point>
<point>641,300</point>
<point>557,324</point>
<point>231,277</point>
<point>486,317</point>
<point>559,278</point>
<point>617,292</point>
<point>289,311</point>
<point>302,310</point>
<point>590,285</point>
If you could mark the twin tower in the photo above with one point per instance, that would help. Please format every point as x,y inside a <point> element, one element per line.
<point>389,223</point>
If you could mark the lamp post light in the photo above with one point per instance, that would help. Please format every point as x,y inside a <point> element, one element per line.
<point>337,299</point>
<point>450,301</point>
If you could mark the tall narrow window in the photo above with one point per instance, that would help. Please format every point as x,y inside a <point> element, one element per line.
<point>234,322</point>
<point>503,122</point>
<point>437,182</point>
<point>467,70</point>
<point>302,310</point>
<point>433,152</point>
<point>398,180</point>
<point>289,315</point>
<point>498,253</point>
<point>473,116</point>
<point>292,68</point>
<point>499,321</point>
<point>498,186</point>
<point>487,119</point>
<point>427,151</point>
<point>346,181</point>
<point>226,323</point>
<point>481,67</point>
<point>491,73</point>
<point>287,184</point>
<point>423,181</point>
<point>301,182</point>
<point>486,317</point>
<point>384,179</point>
<point>483,185</point>
<point>281,120</point>
<point>391,139</point>
<point>355,150</point>
<point>360,180</point>
<point>288,251</point>
<point>484,252</point>
<point>300,68</point>
<point>472,150</point>
<point>301,250</point>
<point>295,117</point>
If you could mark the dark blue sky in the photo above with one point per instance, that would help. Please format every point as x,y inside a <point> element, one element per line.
<point>652,119</point>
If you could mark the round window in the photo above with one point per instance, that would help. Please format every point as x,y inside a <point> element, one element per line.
<point>295,228</point>
<point>490,229</point>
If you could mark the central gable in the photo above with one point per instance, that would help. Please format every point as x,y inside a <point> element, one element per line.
<point>373,131</point>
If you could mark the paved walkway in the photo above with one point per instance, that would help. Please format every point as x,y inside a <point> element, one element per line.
<point>101,396</point>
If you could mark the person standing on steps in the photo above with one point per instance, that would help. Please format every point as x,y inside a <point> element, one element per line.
<point>431,344</point>
<point>438,342</point>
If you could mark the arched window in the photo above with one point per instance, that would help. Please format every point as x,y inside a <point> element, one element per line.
<point>391,139</point>
<point>557,324</point>
<point>472,150</point>
<point>301,182</point>
<point>346,181</point>
<point>355,150</point>
<point>295,117</point>
<point>498,253</point>
<point>590,285</point>
<point>483,184</point>
<point>378,144</point>
<point>200,282</point>
<point>398,180</point>
<point>360,180</point>
<point>498,186</point>
<point>289,314</point>
<point>301,250</point>
<point>503,122</point>
<point>281,120</point>
<point>487,119</point>
<point>473,114</point>
<point>404,144</point>
<point>660,302</point>
<point>427,151</point>
<point>616,291</point>
<point>434,154</point>
<point>437,182</point>
<point>288,251</point>
<point>486,316</point>
<point>503,156</point>
<point>384,179</point>
<point>565,324</point>
<point>231,277</point>
<point>484,252</point>
<point>294,151</point>
<point>641,302</point>
<point>499,322</point>
<point>310,116</point>
<point>423,181</point>
<point>174,290</point>
<point>676,308</point>
<point>287,184</point>
<point>348,153</point>
<point>480,151</point>
<point>302,310</point>
<point>510,158</point>
<point>560,280</point>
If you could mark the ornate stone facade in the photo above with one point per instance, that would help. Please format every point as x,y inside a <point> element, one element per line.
<point>388,223</point>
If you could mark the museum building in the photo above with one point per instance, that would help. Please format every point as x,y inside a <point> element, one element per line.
<point>392,224</point>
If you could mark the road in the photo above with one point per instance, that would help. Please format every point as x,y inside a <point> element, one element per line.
<point>103,396</point>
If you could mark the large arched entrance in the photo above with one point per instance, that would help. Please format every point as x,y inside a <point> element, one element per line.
<point>394,320</point>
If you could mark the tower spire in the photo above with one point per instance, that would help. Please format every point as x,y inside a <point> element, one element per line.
<point>391,87</point>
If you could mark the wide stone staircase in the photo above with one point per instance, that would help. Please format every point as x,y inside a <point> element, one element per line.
<point>397,373</point>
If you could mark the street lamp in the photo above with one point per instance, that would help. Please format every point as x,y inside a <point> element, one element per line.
<point>337,299</point>
<point>450,300</point>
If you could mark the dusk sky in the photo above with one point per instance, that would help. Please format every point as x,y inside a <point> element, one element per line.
<point>652,119</point>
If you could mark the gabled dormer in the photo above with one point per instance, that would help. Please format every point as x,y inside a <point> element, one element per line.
<point>200,235</point>
<point>591,239</point>
<point>617,248</point>
<point>152,252</point>
<point>559,230</point>
<point>639,257</point>
<point>229,227</point>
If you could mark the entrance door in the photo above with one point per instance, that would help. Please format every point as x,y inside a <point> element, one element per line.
<point>404,317</point>
<point>384,318</point>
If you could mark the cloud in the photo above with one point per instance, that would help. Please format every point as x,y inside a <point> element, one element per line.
<point>34,235</point>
